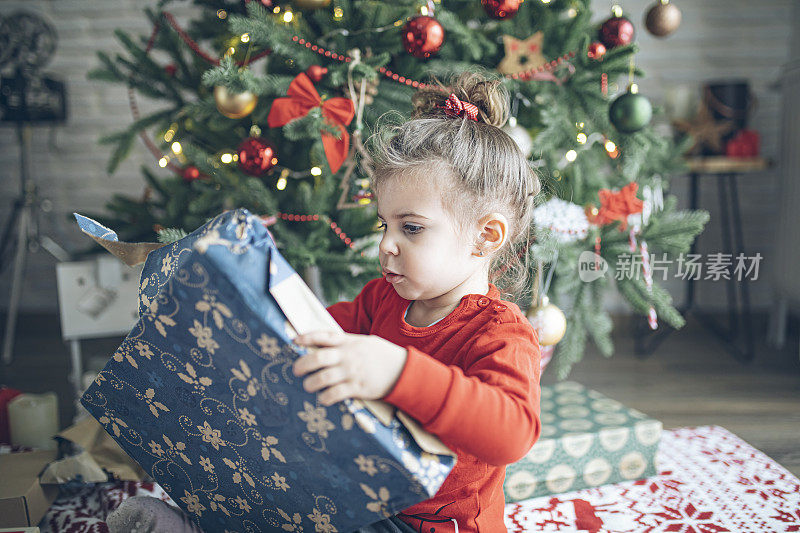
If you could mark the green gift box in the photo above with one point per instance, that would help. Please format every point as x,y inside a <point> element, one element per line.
<point>587,440</point>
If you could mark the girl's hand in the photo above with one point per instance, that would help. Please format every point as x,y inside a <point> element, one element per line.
<point>349,366</point>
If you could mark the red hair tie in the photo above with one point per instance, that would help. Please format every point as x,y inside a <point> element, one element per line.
<point>456,108</point>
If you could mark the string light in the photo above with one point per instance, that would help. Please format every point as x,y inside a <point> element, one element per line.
<point>338,13</point>
<point>610,146</point>
<point>276,9</point>
<point>316,171</point>
<point>571,156</point>
<point>226,158</point>
<point>581,137</point>
<point>170,133</point>
<point>230,51</point>
<point>163,161</point>
<point>281,184</point>
<point>572,12</point>
<point>616,9</point>
<point>176,147</point>
<point>288,16</point>
<point>221,14</point>
<point>245,38</point>
<point>423,10</point>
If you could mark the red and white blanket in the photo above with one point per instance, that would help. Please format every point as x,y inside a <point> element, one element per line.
<point>710,481</point>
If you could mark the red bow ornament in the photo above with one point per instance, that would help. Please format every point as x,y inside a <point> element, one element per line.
<point>455,108</point>
<point>337,112</point>
<point>618,205</point>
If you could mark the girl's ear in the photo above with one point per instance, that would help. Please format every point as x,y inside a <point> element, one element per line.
<point>493,232</point>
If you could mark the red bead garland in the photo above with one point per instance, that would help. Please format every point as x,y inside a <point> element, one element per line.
<point>334,226</point>
<point>413,83</point>
<point>196,48</point>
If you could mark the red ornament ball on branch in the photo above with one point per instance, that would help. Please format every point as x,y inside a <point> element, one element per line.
<point>501,9</point>
<point>596,51</point>
<point>265,3</point>
<point>617,31</point>
<point>316,72</point>
<point>190,173</point>
<point>422,36</point>
<point>257,155</point>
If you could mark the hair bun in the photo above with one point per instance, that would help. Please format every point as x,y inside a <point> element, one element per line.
<point>489,95</point>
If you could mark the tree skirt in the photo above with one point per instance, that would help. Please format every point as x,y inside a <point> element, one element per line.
<point>710,481</point>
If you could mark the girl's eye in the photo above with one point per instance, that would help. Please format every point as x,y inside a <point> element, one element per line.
<point>412,228</point>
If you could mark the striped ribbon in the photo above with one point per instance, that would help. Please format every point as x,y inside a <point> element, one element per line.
<point>647,271</point>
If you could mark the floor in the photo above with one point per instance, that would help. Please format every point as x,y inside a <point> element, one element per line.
<point>689,381</point>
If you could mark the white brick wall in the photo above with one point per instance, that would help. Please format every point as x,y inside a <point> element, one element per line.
<point>717,39</point>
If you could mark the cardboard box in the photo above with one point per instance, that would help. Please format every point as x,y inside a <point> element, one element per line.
<point>23,500</point>
<point>202,395</point>
<point>587,440</point>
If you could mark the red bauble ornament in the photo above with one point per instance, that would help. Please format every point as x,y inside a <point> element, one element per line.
<point>501,9</point>
<point>422,36</point>
<point>266,3</point>
<point>171,69</point>
<point>256,156</point>
<point>596,51</point>
<point>316,72</point>
<point>190,173</point>
<point>616,31</point>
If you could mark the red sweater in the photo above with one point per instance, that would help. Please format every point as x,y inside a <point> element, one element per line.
<point>472,379</point>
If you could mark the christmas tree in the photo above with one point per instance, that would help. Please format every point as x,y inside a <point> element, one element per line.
<point>268,105</point>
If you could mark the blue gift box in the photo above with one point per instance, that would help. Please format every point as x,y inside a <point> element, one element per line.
<point>201,394</point>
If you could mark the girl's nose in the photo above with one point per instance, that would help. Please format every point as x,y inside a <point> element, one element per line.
<point>388,245</point>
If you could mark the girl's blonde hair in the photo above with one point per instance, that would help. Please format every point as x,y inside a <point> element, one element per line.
<point>484,169</point>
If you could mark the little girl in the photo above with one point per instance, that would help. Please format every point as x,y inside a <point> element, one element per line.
<point>433,336</point>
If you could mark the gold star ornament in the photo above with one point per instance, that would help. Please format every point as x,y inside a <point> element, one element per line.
<point>522,54</point>
<point>705,131</point>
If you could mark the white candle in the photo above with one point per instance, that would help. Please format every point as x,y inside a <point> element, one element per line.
<point>33,420</point>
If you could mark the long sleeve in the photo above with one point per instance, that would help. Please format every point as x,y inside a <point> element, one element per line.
<point>490,409</point>
<point>356,316</point>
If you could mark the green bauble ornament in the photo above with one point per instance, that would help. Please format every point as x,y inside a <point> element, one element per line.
<point>631,111</point>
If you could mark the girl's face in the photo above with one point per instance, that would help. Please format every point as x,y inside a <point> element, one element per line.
<point>422,253</point>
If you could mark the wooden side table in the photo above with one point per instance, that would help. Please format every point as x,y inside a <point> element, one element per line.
<point>740,326</point>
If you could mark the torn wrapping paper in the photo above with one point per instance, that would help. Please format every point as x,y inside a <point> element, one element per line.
<point>201,394</point>
<point>90,455</point>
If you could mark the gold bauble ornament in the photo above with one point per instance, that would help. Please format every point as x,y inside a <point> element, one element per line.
<point>548,321</point>
<point>662,18</point>
<point>234,105</point>
<point>311,4</point>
